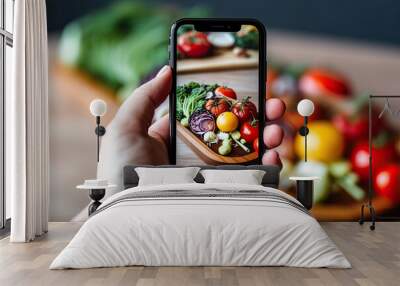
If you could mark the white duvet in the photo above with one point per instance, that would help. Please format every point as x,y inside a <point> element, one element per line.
<point>200,231</point>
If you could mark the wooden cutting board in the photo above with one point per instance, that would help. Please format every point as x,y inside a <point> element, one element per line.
<point>206,154</point>
<point>221,59</point>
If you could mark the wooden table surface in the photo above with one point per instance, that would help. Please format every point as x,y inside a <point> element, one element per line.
<point>372,68</point>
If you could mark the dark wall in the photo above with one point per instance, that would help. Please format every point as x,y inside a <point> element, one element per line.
<point>371,20</point>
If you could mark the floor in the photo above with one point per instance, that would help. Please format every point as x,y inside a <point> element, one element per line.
<point>375,257</point>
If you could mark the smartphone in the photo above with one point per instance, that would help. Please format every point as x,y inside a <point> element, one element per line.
<point>217,102</point>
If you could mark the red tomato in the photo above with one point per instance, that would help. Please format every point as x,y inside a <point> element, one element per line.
<point>245,110</point>
<point>387,182</point>
<point>351,129</point>
<point>194,44</point>
<point>317,82</point>
<point>217,106</point>
<point>360,158</point>
<point>225,91</point>
<point>255,145</point>
<point>249,131</point>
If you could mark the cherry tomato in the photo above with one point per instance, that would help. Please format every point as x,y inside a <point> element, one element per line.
<point>317,82</point>
<point>249,131</point>
<point>245,110</point>
<point>255,145</point>
<point>225,91</point>
<point>217,106</point>
<point>194,44</point>
<point>387,182</point>
<point>227,122</point>
<point>351,129</point>
<point>360,158</point>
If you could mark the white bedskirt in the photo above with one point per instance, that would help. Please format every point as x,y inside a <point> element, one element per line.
<point>200,232</point>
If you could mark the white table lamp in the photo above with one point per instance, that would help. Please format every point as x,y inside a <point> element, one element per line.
<point>98,108</point>
<point>305,108</point>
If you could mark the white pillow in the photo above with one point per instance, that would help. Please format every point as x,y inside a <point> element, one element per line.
<point>247,177</point>
<point>163,176</point>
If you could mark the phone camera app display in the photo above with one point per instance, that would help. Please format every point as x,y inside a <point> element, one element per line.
<point>217,100</point>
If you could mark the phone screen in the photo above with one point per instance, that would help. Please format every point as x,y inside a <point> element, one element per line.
<point>217,96</point>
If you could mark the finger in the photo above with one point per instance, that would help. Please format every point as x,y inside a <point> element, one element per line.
<point>160,129</point>
<point>137,112</point>
<point>271,157</point>
<point>274,108</point>
<point>273,135</point>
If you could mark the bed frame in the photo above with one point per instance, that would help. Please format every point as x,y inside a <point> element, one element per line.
<point>270,179</point>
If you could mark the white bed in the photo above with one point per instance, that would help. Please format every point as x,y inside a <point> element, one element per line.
<point>185,230</point>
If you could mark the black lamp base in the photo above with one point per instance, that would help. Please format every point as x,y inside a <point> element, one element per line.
<point>96,195</point>
<point>304,192</point>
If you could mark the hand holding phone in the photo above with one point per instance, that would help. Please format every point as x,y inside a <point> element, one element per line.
<point>133,139</point>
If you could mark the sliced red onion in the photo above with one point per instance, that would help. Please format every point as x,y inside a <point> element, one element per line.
<point>201,122</point>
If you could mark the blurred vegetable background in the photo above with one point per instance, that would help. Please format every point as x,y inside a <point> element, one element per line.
<point>122,43</point>
<point>338,145</point>
<point>106,48</point>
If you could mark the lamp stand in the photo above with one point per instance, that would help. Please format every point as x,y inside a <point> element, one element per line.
<point>100,131</point>
<point>304,132</point>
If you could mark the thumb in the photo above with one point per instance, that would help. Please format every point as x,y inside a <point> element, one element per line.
<point>137,111</point>
<point>160,129</point>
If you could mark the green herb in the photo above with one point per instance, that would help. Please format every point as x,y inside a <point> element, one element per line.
<point>121,44</point>
<point>236,137</point>
<point>185,28</point>
<point>190,97</point>
<point>248,40</point>
<point>346,179</point>
<point>226,147</point>
<point>210,137</point>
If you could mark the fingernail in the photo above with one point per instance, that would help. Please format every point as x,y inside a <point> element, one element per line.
<point>163,70</point>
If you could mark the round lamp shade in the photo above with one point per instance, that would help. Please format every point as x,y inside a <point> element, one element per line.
<point>305,107</point>
<point>98,107</point>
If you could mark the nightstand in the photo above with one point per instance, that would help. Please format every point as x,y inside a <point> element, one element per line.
<point>305,190</point>
<point>97,190</point>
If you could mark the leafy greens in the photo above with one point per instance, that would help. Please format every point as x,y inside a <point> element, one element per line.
<point>191,97</point>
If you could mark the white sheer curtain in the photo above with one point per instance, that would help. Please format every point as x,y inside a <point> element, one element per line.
<point>27,123</point>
